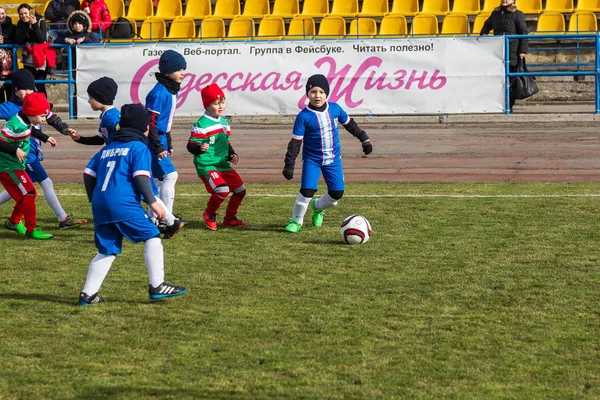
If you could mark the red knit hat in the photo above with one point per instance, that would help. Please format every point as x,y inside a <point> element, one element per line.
<point>211,93</point>
<point>35,104</point>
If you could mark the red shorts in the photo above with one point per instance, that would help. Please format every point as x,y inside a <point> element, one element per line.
<point>222,178</point>
<point>17,183</point>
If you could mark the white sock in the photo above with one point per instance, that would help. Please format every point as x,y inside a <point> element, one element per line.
<point>52,200</point>
<point>300,206</point>
<point>97,271</point>
<point>324,202</point>
<point>169,218</point>
<point>155,262</point>
<point>166,191</point>
<point>4,197</point>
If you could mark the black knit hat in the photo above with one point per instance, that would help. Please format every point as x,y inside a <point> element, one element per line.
<point>103,90</point>
<point>134,116</point>
<point>171,61</point>
<point>318,81</point>
<point>81,18</point>
<point>23,80</point>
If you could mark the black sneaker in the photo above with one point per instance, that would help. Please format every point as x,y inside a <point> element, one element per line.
<point>85,300</point>
<point>162,227</point>
<point>165,290</point>
<point>185,221</point>
<point>174,229</point>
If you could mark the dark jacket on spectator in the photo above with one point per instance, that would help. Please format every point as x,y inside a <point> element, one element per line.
<point>7,29</point>
<point>87,34</point>
<point>34,34</point>
<point>59,10</point>
<point>508,21</point>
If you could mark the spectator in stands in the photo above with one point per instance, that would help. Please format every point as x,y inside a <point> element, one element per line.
<point>100,15</point>
<point>7,36</point>
<point>31,31</point>
<point>57,13</point>
<point>507,20</point>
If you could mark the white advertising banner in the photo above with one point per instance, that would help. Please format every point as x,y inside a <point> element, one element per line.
<point>401,76</point>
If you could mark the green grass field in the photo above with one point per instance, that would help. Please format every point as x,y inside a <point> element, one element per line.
<point>465,291</point>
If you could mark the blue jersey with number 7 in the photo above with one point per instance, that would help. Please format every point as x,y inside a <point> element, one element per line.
<point>115,197</point>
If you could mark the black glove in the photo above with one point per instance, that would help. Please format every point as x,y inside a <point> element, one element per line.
<point>288,174</point>
<point>367,147</point>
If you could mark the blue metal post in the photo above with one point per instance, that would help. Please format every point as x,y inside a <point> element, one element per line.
<point>70,77</point>
<point>507,71</point>
<point>596,80</point>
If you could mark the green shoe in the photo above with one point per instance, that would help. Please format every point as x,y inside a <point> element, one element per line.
<point>38,234</point>
<point>293,226</point>
<point>317,217</point>
<point>19,228</point>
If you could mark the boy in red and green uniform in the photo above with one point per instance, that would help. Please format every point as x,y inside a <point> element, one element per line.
<point>14,146</point>
<point>209,143</point>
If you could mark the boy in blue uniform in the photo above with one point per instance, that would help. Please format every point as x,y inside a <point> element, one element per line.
<point>316,126</point>
<point>24,84</point>
<point>116,179</point>
<point>161,103</point>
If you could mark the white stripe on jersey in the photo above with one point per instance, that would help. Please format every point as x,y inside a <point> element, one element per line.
<point>89,172</point>
<point>172,112</point>
<point>141,172</point>
<point>326,129</point>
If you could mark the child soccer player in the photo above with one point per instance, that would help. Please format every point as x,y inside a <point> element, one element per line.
<point>102,93</point>
<point>24,84</point>
<point>161,103</point>
<point>316,126</point>
<point>209,143</point>
<point>116,179</point>
<point>14,146</point>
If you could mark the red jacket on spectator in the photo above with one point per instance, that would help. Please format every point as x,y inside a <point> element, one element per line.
<point>99,13</point>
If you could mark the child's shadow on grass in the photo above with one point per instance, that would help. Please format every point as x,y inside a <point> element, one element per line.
<point>39,297</point>
<point>256,228</point>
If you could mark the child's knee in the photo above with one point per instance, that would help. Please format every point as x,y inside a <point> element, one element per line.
<point>336,194</point>
<point>240,191</point>
<point>307,192</point>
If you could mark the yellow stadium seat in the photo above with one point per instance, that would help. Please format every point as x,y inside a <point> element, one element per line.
<point>285,8</point>
<point>583,22</point>
<point>271,28</point>
<point>530,6</point>
<point>133,29</point>
<point>332,28</point>
<point>139,10</point>
<point>550,23</point>
<point>344,8</point>
<point>182,28</point>
<point>227,9</point>
<point>588,5</point>
<point>559,6</point>
<point>374,8</point>
<point>241,28</point>
<point>424,24</point>
<point>479,21</point>
<point>116,8</point>
<point>153,28</point>
<point>315,8</point>
<point>436,7</point>
<point>490,5</point>
<point>256,8</point>
<point>212,28</point>
<point>393,26</point>
<point>198,9</point>
<point>169,9</point>
<point>407,8</point>
<point>301,27</point>
<point>362,28</point>
<point>469,7</point>
<point>455,24</point>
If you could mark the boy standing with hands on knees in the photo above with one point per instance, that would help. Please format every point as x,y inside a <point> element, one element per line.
<point>316,127</point>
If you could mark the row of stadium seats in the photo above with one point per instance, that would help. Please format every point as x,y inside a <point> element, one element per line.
<point>139,10</point>
<point>333,27</point>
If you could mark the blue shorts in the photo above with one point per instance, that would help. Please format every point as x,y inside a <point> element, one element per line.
<point>36,171</point>
<point>332,173</point>
<point>109,237</point>
<point>162,167</point>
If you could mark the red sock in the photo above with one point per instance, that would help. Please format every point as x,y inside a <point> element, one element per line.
<point>234,203</point>
<point>215,202</point>
<point>25,208</point>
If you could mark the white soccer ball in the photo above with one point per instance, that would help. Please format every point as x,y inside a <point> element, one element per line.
<point>355,229</point>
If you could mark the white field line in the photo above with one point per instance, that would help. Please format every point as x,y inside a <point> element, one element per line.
<point>368,196</point>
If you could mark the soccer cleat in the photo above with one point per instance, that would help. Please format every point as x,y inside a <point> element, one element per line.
<point>210,220</point>
<point>185,221</point>
<point>162,227</point>
<point>234,223</point>
<point>38,234</point>
<point>317,218</point>
<point>72,223</point>
<point>165,290</point>
<point>85,300</point>
<point>293,226</point>
<point>19,228</point>
<point>172,230</point>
